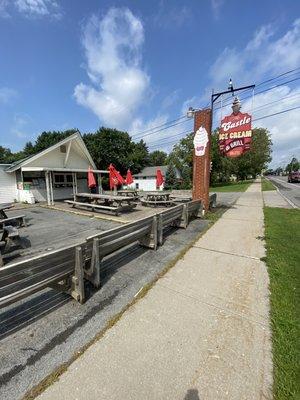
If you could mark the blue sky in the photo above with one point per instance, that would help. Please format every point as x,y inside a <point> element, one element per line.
<point>134,65</point>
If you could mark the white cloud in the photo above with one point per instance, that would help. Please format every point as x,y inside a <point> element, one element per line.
<point>21,122</point>
<point>113,54</point>
<point>3,9</point>
<point>169,17</point>
<point>261,56</point>
<point>216,7</point>
<point>7,95</point>
<point>31,8</point>
<point>160,140</point>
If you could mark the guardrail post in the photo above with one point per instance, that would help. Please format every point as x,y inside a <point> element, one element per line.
<point>93,274</point>
<point>150,240</point>
<point>184,221</point>
<point>77,289</point>
<point>160,230</point>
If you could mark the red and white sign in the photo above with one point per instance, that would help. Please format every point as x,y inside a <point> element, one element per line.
<point>200,141</point>
<point>235,134</point>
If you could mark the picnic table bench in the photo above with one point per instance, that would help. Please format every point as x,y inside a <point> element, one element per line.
<point>129,193</point>
<point>181,198</point>
<point>18,220</point>
<point>157,199</point>
<point>106,202</point>
<point>9,234</point>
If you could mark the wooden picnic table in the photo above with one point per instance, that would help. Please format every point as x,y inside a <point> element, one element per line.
<point>5,220</point>
<point>180,198</point>
<point>157,199</point>
<point>128,192</point>
<point>105,202</point>
<point>3,207</point>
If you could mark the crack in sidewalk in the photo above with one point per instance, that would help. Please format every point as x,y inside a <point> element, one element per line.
<point>228,253</point>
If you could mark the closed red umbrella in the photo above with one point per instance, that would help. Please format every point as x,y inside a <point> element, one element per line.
<point>129,178</point>
<point>115,178</point>
<point>159,178</point>
<point>91,179</point>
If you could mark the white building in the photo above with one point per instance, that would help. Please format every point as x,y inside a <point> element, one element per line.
<point>146,179</point>
<point>53,174</point>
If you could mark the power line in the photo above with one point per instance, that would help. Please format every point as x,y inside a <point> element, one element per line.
<point>262,91</point>
<point>268,80</point>
<point>256,119</point>
<point>171,123</point>
<point>280,112</point>
<point>160,130</point>
<point>158,126</point>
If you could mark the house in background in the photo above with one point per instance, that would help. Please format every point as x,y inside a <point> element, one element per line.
<point>146,179</point>
<point>53,174</point>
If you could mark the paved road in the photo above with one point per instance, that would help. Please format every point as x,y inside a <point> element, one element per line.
<point>290,190</point>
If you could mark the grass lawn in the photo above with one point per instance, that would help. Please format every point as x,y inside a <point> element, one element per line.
<point>282,231</point>
<point>231,187</point>
<point>267,185</point>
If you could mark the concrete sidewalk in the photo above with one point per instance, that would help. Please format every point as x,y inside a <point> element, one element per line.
<point>202,332</point>
<point>273,198</point>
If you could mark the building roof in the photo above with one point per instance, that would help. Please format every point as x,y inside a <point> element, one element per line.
<point>151,171</point>
<point>76,136</point>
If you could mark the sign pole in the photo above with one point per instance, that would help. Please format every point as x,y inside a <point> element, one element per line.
<point>201,163</point>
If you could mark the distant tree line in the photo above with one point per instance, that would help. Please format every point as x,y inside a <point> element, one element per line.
<point>108,145</point>
<point>293,165</point>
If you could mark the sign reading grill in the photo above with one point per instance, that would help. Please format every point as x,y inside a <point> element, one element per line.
<point>235,133</point>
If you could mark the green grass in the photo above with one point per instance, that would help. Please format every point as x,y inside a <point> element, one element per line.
<point>231,187</point>
<point>267,185</point>
<point>282,230</point>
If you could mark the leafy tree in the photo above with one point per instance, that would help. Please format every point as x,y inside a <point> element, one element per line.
<point>157,158</point>
<point>294,165</point>
<point>257,158</point>
<point>171,179</point>
<point>139,157</point>
<point>47,139</point>
<point>112,146</point>
<point>181,157</point>
<point>29,149</point>
<point>6,156</point>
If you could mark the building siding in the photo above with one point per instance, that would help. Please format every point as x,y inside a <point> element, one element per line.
<point>8,186</point>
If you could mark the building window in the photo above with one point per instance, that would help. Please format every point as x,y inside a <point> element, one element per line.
<point>137,186</point>
<point>62,180</point>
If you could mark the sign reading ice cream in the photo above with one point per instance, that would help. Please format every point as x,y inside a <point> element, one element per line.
<point>235,133</point>
<point>200,141</point>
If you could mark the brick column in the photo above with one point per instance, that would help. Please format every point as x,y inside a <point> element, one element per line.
<point>201,164</point>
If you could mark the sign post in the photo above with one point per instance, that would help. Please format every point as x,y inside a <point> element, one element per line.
<point>201,157</point>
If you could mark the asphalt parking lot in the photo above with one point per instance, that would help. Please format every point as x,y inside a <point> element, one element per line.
<point>50,229</point>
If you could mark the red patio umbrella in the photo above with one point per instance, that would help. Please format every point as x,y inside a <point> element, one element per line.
<point>115,178</point>
<point>159,178</point>
<point>91,179</point>
<point>129,178</point>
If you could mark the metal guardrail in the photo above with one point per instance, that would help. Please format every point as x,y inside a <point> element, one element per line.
<point>67,268</point>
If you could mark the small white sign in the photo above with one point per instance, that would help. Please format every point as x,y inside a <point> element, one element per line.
<point>200,141</point>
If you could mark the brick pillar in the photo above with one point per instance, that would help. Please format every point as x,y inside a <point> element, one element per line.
<point>201,164</point>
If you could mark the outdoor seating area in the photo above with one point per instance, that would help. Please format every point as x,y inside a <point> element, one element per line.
<point>111,203</point>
